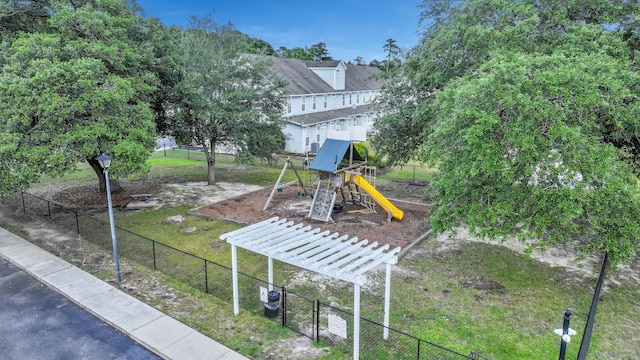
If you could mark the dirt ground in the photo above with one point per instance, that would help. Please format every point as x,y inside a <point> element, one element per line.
<point>354,220</point>
<point>244,204</point>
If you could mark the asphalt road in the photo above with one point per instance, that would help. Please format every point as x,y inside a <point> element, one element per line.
<point>39,323</point>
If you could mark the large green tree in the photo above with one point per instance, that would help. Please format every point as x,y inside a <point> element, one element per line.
<point>530,110</point>
<point>74,91</point>
<point>320,51</point>
<point>229,98</point>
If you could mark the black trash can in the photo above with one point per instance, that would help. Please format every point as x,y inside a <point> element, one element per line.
<point>272,306</point>
<point>338,207</point>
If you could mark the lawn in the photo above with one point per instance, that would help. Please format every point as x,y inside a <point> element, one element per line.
<point>432,298</point>
<point>433,292</point>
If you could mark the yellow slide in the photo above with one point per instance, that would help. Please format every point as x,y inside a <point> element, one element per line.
<point>377,197</point>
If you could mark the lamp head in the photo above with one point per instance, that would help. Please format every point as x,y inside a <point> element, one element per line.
<point>104,160</point>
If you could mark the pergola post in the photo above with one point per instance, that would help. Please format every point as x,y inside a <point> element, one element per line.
<point>270,262</point>
<point>234,274</point>
<point>356,321</point>
<point>387,300</point>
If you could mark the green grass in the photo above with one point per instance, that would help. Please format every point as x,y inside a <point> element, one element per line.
<point>180,166</point>
<point>515,322</point>
<point>412,172</point>
<point>175,157</point>
<point>203,242</point>
<point>432,302</point>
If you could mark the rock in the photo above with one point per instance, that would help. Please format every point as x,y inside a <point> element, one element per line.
<point>188,230</point>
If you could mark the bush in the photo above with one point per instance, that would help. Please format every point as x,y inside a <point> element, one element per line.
<point>372,159</point>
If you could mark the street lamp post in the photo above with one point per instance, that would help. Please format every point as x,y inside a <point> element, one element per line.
<point>105,162</point>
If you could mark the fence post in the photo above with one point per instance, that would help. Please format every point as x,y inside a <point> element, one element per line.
<point>284,306</point>
<point>49,209</point>
<point>565,331</point>
<point>77,223</point>
<point>206,277</point>
<point>153,246</point>
<point>317,318</point>
<point>24,207</point>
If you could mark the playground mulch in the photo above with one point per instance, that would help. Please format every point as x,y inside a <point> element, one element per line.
<point>353,220</point>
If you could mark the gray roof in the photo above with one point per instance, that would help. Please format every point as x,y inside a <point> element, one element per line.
<point>302,80</point>
<point>323,63</point>
<point>324,116</point>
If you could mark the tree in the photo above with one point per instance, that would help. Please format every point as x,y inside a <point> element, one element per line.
<point>166,57</point>
<point>530,111</point>
<point>255,45</point>
<point>319,52</point>
<point>76,91</point>
<point>359,60</point>
<point>393,52</point>
<point>229,98</point>
<point>27,16</point>
<point>295,53</point>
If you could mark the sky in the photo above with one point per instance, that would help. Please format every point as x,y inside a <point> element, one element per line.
<point>349,28</point>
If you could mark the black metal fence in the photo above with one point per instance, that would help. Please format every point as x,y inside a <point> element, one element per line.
<point>305,316</point>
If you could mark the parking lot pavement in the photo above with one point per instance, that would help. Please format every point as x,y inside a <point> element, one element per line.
<point>37,322</point>
<point>156,331</point>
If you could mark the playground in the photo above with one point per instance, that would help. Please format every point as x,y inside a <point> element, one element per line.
<point>248,209</point>
<point>343,199</point>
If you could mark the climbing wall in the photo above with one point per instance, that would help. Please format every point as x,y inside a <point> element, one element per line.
<point>324,198</point>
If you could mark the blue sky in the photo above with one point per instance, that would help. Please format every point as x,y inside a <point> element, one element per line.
<point>350,28</point>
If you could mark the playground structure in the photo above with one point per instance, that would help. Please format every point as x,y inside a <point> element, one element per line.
<point>341,171</point>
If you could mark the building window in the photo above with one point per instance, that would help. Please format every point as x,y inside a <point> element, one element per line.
<point>306,141</point>
<point>325,101</point>
<point>318,133</point>
<point>357,98</point>
<point>350,95</point>
<point>303,103</point>
<point>288,105</point>
<point>313,103</point>
<point>344,97</point>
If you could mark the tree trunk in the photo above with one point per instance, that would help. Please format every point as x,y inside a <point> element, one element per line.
<point>211,165</point>
<point>115,185</point>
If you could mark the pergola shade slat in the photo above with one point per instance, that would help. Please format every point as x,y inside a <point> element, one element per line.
<point>323,252</point>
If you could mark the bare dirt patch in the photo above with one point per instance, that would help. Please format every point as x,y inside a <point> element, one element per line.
<point>352,220</point>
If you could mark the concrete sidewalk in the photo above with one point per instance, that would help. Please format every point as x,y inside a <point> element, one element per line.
<point>156,331</point>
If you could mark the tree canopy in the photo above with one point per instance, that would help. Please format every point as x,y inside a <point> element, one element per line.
<point>74,90</point>
<point>529,110</point>
<point>229,98</point>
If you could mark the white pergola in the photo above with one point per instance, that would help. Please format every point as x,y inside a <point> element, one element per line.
<point>320,251</point>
